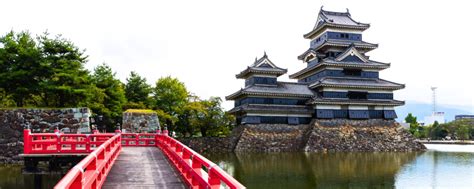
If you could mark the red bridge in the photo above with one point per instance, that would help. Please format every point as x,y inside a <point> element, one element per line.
<point>129,160</point>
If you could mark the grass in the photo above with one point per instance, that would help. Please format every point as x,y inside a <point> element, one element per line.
<point>141,111</point>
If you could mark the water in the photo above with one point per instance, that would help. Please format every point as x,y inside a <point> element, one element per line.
<point>11,177</point>
<point>432,169</point>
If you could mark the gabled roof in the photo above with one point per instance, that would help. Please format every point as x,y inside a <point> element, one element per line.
<point>283,89</point>
<point>262,66</point>
<point>356,82</point>
<point>335,19</point>
<point>308,52</point>
<point>352,51</point>
<point>347,64</point>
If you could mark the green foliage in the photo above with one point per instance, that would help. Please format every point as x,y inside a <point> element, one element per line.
<point>415,127</point>
<point>114,96</point>
<point>457,129</point>
<point>169,95</point>
<point>20,66</point>
<point>137,90</point>
<point>46,71</point>
<point>64,80</point>
<point>411,119</point>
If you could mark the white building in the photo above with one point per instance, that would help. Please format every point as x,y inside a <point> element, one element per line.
<point>436,116</point>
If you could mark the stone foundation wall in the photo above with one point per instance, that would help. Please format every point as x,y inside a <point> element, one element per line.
<point>13,121</point>
<point>360,135</point>
<point>136,122</point>
<point>272,138</point>
<point>319,136</point>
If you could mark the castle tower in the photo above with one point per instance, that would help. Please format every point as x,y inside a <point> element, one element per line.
<point>345,81</point>
<point>339,80</point>
<point>264,99</point>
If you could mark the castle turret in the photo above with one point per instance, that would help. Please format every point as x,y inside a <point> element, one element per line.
<point>267,100</point>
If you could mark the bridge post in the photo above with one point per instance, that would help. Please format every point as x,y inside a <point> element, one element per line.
<point>213,178</point>
<point>26,141</point>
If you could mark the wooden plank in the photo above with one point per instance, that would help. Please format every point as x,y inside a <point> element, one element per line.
<point>143,167</point>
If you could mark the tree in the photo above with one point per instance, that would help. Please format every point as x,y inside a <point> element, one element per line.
<point>20,66</point>
<point>113,96</point>
<point>169,95</point>
<point>137,91</point>
<point>214,121</point>
<point>189,117</point>
<point>410,119</point>
<point>64,80</point>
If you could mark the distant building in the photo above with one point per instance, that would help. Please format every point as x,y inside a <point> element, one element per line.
<point>458,117</point>
<point>339,81</point>
<point>435,116</point>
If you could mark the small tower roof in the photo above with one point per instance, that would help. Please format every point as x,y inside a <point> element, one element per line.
<point>335,19</point>
<point>263,66</point>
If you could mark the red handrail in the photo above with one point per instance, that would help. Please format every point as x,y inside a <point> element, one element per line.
<point>53,143</point>
<point>190,165</point>
<point>139,139</point>
<point>92,171</point>
<point>196,170</point>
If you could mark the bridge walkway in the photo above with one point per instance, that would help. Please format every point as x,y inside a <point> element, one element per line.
<point>143,167</point>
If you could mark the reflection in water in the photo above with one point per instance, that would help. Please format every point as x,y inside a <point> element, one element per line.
<point>430,169</point>
<point>11,177</point>
<point>435,169</point>
<point>315,170</point>
<point>350,170</point>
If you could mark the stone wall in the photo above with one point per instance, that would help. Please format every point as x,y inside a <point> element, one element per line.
<point>319,136</point>
<point>137,122</point>
<point>272,138</point>
<point>360,135</point>
<point>13,121</point>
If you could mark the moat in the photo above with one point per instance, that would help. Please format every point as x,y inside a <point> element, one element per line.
<point>430,169</point>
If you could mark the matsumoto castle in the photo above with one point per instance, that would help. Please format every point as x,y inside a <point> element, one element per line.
<point>339,81</point>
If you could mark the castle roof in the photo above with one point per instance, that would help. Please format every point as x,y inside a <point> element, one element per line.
<point>346,64</point>
<point>337,20</point>
<point>356,82</point>
<point>262,66</point>
<point>346,43</point>
<point>273,108</point>
<point>282,89</point>
<point>332,101</point>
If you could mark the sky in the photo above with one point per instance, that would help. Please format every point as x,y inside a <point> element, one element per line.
<point>205,43</point>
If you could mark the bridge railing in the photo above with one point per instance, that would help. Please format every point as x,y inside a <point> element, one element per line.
<point>197,171</point>
<point>92,171</point>
<point>139,139</point>
<point>53,143</point>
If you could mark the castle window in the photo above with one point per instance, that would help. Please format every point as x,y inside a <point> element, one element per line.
<point>357,95</point>
<point>352,72</point>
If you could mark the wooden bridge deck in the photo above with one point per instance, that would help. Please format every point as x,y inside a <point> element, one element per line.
<point>143,167</point>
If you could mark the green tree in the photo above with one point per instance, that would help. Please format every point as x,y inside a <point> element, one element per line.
<point>113,97</point>
<point>169,95</point>
<point>20,66</point>
<point>64,80</point>
<point>189,117</point>
<point>214,121</point>
<point>410,119</point>
<point>137,91</point>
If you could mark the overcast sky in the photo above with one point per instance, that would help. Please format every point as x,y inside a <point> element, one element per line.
<point>205,43</point>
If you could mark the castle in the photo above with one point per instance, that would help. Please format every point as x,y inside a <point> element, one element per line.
<point>339,81</point>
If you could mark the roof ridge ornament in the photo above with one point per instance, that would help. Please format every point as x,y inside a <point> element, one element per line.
<point>347,11</point>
